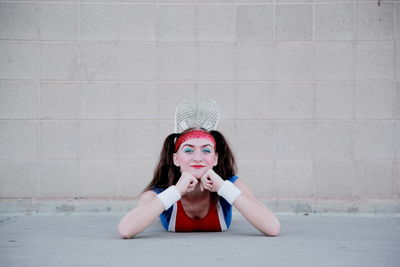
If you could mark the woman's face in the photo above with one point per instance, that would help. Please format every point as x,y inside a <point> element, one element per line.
<point>196,156</point>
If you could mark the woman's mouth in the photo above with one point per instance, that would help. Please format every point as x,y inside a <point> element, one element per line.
<point>197,166</point>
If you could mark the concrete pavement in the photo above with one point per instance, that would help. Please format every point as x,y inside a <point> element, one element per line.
<point>91,240</point>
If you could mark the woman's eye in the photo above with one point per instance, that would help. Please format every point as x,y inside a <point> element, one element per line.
<point>188,150</point>
<point>207,150</point>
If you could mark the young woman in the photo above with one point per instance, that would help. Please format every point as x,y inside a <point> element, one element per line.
<point>194,187</point>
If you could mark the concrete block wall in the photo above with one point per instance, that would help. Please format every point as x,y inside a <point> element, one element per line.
<point>309,92</point>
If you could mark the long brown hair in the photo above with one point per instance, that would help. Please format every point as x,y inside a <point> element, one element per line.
<point>167,174</point>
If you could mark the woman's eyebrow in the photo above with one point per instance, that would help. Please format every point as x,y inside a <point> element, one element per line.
<point>189,145</point>
<point>207,145</point>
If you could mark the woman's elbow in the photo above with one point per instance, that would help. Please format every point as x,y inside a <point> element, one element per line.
<point>272,230</point>
<point>124,233</point>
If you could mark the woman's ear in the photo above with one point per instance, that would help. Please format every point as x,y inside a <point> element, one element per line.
<point>174,156</point>
<point>216,159</point>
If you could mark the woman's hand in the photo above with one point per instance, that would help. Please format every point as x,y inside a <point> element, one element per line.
<point>211,181</point>
<point>186,183</point>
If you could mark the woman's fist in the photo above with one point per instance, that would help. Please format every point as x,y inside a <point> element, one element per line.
<point>186,183</point>
<point>211,181</point>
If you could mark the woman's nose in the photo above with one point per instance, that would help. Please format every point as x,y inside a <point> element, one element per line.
<point>197,156</point>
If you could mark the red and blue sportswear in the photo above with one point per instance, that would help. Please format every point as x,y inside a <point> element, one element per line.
<point>218,218</point>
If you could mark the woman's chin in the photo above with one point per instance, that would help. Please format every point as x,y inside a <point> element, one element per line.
<point>198,173</point>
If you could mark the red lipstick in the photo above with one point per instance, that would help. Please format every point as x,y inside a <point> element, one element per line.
<point>197,166</point>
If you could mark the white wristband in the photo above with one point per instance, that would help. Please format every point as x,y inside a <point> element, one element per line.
<point>169,196</point>
<point>229,191</point>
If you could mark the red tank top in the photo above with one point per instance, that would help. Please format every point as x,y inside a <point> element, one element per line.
<point>210,223</point>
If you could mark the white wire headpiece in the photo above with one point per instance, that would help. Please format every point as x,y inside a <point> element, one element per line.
<point>188,115</point>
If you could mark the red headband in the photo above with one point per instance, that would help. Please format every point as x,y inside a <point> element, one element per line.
<point>193,134</point>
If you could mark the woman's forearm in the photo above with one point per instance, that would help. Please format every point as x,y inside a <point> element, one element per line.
<point>136,220</point>
<point>258,215</point>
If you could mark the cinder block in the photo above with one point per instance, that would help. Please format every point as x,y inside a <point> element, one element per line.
<point>216,22</point>
<point>216,61</point>
<point>334,22</point>
<point>294,178</point>
<point>59,139</point>
<point>295,61</point>
<point>374,139</point>
<point>169,95</point>
<point>91,1</point>
<point>334,139</point>
<point>19,21</point>
<point>223,93</point>
<point>165,128</point>
<point>228,129</point>
<point>397,140</point>
<point>19,60</point>
<point>18,139</point>
<point>295,1</point>
<point>255,61</point>
<point>294,139</point>
<point>18,178</point>
<point>98,61</point>
<point>137,22</point>
<point>397,179</point>
<point>375,100</point>
<point>254,23</point>
<point>293,22</point>
<point>259,175</point>
<point>97,178</point>
<point>214,1</point>
<point>397,51</point>
<point>294,101</point>
<point>334,100</point>
<point>397,23</point>
<point>141,1</point>
<point>256,100</point>
<point>334,61</point>
<point>334,179</point>
<point>59,61</point>
<point>375,179</point>
<point>97,139</point>
<point>329,1</point>
<point>255,139</point>
<point>18,100</point>
<point>137,61</point>
<point>397,34</point>
<point>176,22</point>
<point>58,179</point>
<point>59,100</point>
<point>177,61</point>
<point>137,100</point>
<point>136,139</point>
<point>374,22</point>
<point>98,22</point>
<point>374,60</point>
<point>397,105</point>
<point>58,21</point>
<point>134,176</point>
<point>98,100</point>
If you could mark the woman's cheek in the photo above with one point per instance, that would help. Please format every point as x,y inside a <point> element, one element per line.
<point>185,168</point>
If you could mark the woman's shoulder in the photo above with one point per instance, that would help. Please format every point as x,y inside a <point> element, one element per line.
<point>233,178</point>
<point>157,190</point>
